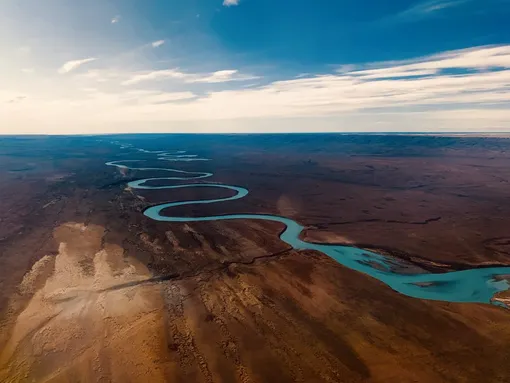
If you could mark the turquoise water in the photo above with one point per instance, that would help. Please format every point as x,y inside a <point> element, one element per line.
<point>475,285</point>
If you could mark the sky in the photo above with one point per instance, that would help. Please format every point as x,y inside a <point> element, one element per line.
<point>239,66</point>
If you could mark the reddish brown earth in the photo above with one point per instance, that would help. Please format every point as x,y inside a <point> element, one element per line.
<point>91,290</point>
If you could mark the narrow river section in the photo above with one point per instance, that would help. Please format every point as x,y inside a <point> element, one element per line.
<point>478,285</point>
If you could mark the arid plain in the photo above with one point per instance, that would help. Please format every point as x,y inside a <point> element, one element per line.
<point>92,290</point>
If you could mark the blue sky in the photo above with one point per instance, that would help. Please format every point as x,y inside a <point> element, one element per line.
<point>254,66</point>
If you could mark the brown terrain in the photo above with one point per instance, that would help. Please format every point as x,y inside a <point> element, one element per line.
<point>93,291</point>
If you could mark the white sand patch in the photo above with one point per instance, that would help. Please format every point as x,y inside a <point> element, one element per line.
<point>100,322</point>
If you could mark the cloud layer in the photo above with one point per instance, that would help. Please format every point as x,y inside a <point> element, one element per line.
<point>457,90</point>
<point>477,77</point>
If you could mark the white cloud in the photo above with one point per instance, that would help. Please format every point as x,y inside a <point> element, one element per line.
<point>72,65</point>
<point>229,3</point>
<point>155,75</point>
<point>158,43</point>
<point>220,76</point>
<point>115,19</point>
<point>437,5</point>
<point>474,59</point>
<point>423,10</point>
<point>28,70</point>
<point>176,74</point>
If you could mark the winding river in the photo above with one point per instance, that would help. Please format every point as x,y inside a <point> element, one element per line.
<point>475,285</point>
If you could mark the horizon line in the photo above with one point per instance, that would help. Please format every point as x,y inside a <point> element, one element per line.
<point>390,133</point>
